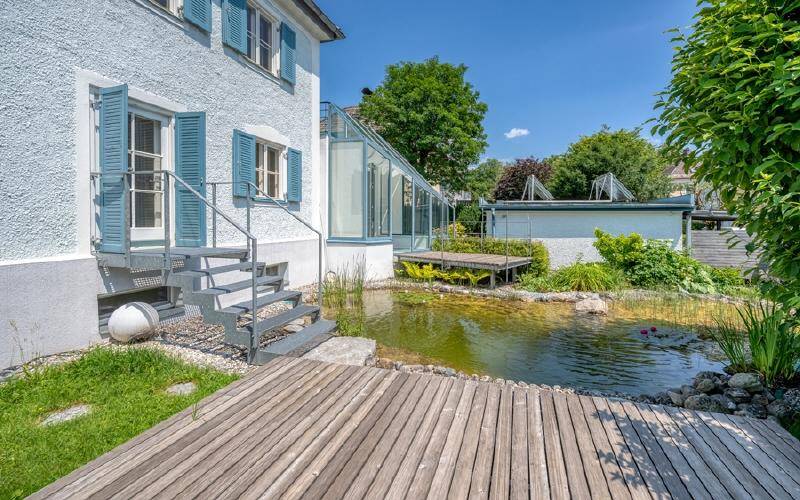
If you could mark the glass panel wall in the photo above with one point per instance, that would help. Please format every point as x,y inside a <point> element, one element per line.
<point>378,171</point>
<point>401,210</point>
<point>347,189</point>
<point>422,218</point>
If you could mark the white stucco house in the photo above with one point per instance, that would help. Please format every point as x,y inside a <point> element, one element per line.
<point>171,151</point>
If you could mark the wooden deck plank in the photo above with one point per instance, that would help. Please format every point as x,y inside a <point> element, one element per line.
<point>183,469</point>
<point>556,466</point>
<point>244,445</point>
<point>520,488</point>
<point>578,484</point>
<point>694,471</point>
<point>482,468</point>
<point>501,465</point>
<point>705,441</point>
<point>600,419</point>
<point>680,430</point>
<point>773,437</point>
<point>122,468</point>
<point>472,260</point>
<point>243,470</point>
<point>593,469</point>
<point>335,479</point>
<point>296,479</point>
<point>647,468</point>
<point>438,462</point>
<point>537,458</point>
<point>459,485</point>
<point>429,433</point>
<point>777,449</point>
<point>615,481</point>
<point>383,481</point>
<point>407,418</point>
<point>727,448</point>
<point>781,432</point>
<point>766,455</point>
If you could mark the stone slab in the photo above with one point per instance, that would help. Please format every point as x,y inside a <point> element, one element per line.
<point>356,351</point>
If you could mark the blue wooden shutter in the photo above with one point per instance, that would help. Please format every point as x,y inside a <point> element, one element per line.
<point>288,41</point>
<point>198,12</point>
<point>244,162</point>
<point>190,166</point>
<point>294,175</point>
<point>234,24</point>
<point>113,161</point>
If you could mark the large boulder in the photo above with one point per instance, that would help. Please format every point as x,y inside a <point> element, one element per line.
<point>751,382</point>
<point>704,385</point>
<point>592,306</point>
<point>703,402</point>
<point>677,398</point>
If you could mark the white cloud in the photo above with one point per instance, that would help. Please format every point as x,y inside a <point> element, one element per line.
<point>516,132</point>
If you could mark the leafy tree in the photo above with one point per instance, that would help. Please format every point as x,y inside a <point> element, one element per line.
<point>482,179</point>
<point>432,116</point>
<point>734,103</point>
<point>630,157</point>
<point>512,183</point>
<point>470,217</point>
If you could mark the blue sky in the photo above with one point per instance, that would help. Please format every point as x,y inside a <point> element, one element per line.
<point>558,69</point>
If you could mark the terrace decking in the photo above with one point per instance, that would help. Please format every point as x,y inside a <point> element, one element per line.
<point>493,263</point>
<point>304,429</point>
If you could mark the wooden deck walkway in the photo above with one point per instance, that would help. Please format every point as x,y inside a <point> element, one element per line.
<point>304,429</point>
<point>493,263</point>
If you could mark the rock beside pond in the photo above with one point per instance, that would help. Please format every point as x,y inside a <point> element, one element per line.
<point>704,385</point>
<point>751,410</point>
<point>779,409</point>
<point>751,382</point>
<point>592,306</point>
<point>792,398</point>
<point>703,402</point>
<point>677,398</point>
<point>738,395</point>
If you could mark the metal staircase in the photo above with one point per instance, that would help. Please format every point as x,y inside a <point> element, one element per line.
<point>246,325</point>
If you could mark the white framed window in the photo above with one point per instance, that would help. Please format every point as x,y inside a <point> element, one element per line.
<point>174,7</point>
<point>262,34</point>
<point>270,169</point>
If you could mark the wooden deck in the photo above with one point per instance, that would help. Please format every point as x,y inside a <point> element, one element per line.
<point>304,429</point>
<point>493,263</point>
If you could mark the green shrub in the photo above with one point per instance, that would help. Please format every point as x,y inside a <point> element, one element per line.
<point>496,246</point>
<point>726,277</point>
<point>469,216</point>
<point>588,277</point>
<point>579,277</point>
<point>620,251</point>
<point>427,273</point>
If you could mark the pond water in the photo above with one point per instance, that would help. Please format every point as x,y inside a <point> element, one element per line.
<point>545,343</point>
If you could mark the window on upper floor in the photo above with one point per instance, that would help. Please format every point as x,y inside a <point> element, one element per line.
<point>172,6</point>
<point>268,169</point>
<point>261,36</point>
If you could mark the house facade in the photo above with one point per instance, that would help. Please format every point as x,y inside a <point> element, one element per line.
<point>214,92</point>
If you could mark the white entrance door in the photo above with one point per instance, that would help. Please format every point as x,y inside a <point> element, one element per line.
<point>148,150</point>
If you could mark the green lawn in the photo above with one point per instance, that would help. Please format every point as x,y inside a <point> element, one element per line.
<point>125,389</point>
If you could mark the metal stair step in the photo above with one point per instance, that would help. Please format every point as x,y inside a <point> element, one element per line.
<point>239,266</point>
<point>303,341</point>
<point>264,300</point>
<point>273,322</point>
<point>240,285</point>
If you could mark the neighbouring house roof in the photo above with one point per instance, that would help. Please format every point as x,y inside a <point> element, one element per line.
<point>679,172</point>
<point>312,10</point>
<point>683,203</point>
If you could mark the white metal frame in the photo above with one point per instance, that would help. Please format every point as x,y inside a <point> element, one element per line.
<point>280,149</point>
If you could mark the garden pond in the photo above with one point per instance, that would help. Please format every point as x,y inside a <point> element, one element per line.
<point>641,347</point>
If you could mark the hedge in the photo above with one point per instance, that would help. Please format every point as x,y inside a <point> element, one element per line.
<point>472,244</point>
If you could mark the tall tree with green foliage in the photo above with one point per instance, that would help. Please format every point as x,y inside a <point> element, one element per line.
<point>734,103</point>
<point>629,156</point>
<point>482,179</point>
<point>432,116</point>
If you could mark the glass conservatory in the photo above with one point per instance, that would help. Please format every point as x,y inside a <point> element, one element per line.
<point>375,195</point>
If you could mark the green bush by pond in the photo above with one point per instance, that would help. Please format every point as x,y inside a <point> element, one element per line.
<point>578,277</point>
<point>125,391</point>
<point>496,246</point>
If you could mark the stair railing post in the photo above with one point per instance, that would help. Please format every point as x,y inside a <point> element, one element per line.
<point>167,243</point>
<point>253,331</point>
<point>319,271</point>
<point>214,215</point>
<point>248,207</point>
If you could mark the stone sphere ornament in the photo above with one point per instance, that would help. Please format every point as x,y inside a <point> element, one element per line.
<point>133,321</point>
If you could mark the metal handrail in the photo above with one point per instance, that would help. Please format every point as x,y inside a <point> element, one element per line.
<point>277,203</point>
<point>252,240</point>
